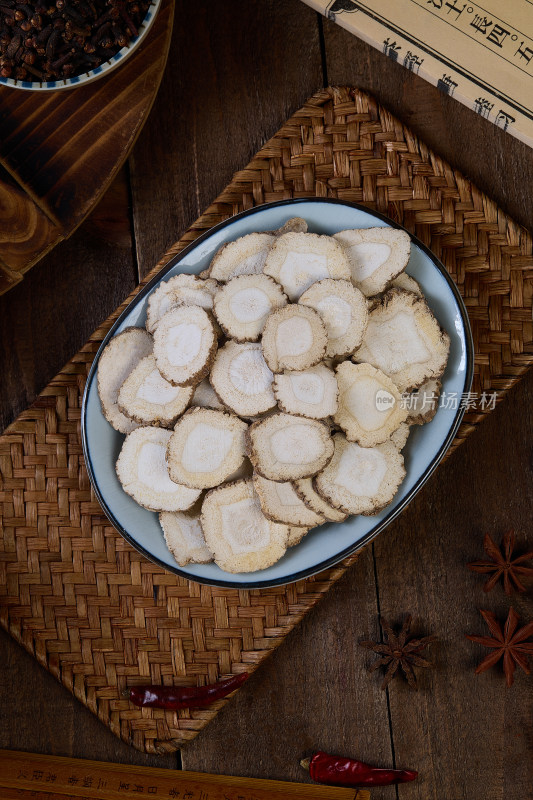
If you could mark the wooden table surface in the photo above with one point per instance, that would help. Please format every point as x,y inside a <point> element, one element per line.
<point>236,71</point>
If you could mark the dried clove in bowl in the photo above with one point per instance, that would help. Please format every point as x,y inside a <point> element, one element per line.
<point>42,42</point>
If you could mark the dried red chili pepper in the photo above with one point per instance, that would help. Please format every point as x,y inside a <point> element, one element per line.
<point>340,771</point>
<point>174,697</point>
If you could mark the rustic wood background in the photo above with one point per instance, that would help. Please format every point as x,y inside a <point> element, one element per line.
<point>60,151</point>
<point>236,71</point>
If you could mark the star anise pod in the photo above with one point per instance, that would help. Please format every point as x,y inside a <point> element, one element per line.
<point>509,643</point>
<point>400,650</point>
<point>502,564</point>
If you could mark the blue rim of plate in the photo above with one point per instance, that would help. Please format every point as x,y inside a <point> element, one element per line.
<point>340,556</point>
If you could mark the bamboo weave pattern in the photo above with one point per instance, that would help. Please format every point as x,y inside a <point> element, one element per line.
<point>93,611</point>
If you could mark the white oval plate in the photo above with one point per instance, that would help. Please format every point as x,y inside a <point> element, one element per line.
<point>329,543</point>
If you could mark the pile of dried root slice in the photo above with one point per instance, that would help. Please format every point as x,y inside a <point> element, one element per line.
<point>268,395</point>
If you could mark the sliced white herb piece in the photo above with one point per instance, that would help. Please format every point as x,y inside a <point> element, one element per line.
<point>244,256</point>
<point>376,256</point>
<point>243,304</point>
<point>184,537</point>
<point>370,405</point>
<point>281,503</point>
<point>423,404</point>
<point>305,489</point>
<point>310,392</point>
<point>284,448</point>
<point>294,338</point>
<point>182,289</point>
<point>408,284</point>
<point>241,538</point>
<point>343,310</point>
<point>296,534</point>
<point>296,260</point>
<point>120,356</point>
<point>149,399</point>
<point>184,345</point>
<point>242,379</point>
<point>293,225</point>
<point>361,480</point>
<point>404,340</point>
<point>400,436</point>
<point>142,471</point>
<point>206,447</point>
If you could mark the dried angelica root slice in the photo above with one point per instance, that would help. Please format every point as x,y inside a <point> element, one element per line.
<point>376,256</point>
<point>294,338</point>
<point>404,282</point>
<point>343,310</point>
<point>244,303</point>
<point>400,436</point>
<point>146,397</point>
<point>408,284</point>
<point>361,480</point>
<point>142,471</point>
<point>120,356</point>
<point>293,225</point>
<point>244,256</point>
<point>184,345</point>
<point>296,534</point>
<point>244,471</point>
<point>370,405</point>
<point>206,397</point>
<point>281,503</point>
<point>185,538</point>
<point>310,392</point>
<point>206,447</point>
<point>297,260</point>
<point>285,448</point>
<point>306,491</point>
<point>242,380</point>
<point>404,340</point>
<point>423,404</point>
<point>182,289</point>
<point>241,538</point>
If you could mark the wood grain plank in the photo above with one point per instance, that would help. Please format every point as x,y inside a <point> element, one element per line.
<point>8,278</point>
<point>45,319</point>
<point>234,75</point>
<point>496,162</point>
<point>26,233</point>
<point>313,695</point>
<point>468,735</point>
<point>465,734</point>
<point>64,149</point>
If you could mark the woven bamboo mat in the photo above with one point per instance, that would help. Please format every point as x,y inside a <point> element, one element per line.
<point>93,611</point>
